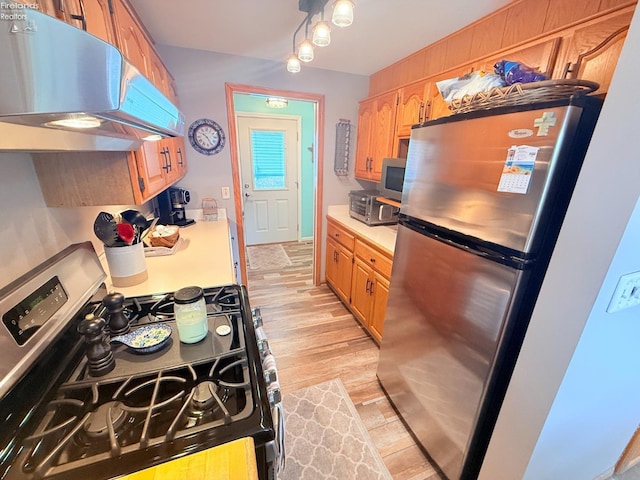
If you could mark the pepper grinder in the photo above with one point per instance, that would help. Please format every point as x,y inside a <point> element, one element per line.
<point>116,319</point>
<point>99,354</point>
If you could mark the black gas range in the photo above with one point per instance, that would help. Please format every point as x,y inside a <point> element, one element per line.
<point>62,420</point>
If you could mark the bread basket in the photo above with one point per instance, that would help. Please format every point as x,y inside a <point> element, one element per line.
<point>164,236</point>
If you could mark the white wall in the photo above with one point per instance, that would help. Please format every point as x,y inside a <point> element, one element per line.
<point>201,76</point>
<point>569,414</point>
<point>30,232</point>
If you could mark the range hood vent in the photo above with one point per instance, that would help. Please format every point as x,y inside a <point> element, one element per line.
<point>54,75</point>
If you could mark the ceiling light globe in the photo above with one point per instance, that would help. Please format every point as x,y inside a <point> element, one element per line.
<point>321,34</point>
<point>343,13</point>
<point>305,51</point>
<point>293,64</point>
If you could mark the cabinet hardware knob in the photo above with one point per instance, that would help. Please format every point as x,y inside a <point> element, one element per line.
<point>373,260</point>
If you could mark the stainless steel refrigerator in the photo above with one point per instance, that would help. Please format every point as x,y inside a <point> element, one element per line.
<point>483,201</point>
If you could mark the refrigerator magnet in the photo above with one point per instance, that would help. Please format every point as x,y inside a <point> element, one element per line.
<point>518,168</point>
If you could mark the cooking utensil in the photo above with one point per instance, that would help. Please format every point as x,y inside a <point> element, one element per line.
<point>147,339</point>
<point>105,229</point>
<point>134,217</point>
<point>126,232</point>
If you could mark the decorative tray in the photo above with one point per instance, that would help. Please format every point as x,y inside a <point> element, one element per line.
<point>522,93</point>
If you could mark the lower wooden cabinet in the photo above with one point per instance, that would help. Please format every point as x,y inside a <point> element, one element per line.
<point>339,268</point>
<point>359,274</point>
<point>369,292</point>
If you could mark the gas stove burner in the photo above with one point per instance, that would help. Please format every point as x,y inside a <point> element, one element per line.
<point>97,425</point>
<point>204,396</point>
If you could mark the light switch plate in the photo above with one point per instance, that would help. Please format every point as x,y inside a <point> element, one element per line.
<point>226,194</point>
<point>627,293</point>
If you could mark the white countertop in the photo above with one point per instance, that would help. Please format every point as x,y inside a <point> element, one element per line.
<point>383,236</point>
<point>203,258</point>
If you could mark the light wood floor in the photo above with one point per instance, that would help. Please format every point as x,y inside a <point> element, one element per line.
<point>314,339</point>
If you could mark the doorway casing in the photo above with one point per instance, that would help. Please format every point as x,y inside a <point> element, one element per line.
<point>230,89</point>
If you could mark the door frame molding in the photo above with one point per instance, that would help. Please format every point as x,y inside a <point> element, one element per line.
<point>298,120</point>
<point>230,89</point>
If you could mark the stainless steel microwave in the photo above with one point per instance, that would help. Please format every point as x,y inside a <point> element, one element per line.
<point>392,178</point>
<point>364,206</point>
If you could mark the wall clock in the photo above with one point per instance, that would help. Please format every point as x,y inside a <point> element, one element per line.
<point>206,136</point>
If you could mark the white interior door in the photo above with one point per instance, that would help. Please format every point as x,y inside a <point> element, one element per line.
<point>269,157</point>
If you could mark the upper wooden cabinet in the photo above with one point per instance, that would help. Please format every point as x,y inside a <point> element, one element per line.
<point>586,50</point>
<point>376,129</point>
<point>130,37</point>
<point>45,6</point>
<point>591,52</point>
<point>93,16</point>
<point>413,106</point>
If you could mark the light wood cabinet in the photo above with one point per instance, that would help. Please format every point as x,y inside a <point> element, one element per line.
<point>413,106</point>
<point>370,287</point>
<point>359,273</point>
<point>365,145</point>
<point>339,259</point>
<point>572,39</point>
<point>376,129</point>
<point>44,6</point>
<point>130,37</point>
<point>93,16</point>
<point>591,52</point>
<point>339,268</point>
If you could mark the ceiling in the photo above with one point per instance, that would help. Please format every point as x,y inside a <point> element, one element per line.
<point>383,31</point>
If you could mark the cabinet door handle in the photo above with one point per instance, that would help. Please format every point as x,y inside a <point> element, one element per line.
<point>169,159</point>
<point>165,167</point>
<point>337,256</point>
<point>181,161</point>
<point>420,112</point>
<point>568,68</point>
<point>371,288</point>
<point>366,288</point>
<point>427,105</point>
<point>82,17</point>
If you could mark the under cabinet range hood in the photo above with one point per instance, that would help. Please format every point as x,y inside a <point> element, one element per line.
<point>63,89</point>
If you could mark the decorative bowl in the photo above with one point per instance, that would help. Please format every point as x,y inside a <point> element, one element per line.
<point>146,339</point>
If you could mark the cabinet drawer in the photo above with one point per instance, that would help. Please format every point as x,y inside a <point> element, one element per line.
<point>340,235</point>
<point>375,258</point>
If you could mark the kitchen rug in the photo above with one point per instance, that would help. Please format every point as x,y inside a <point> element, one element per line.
<point>267,257</point>
<point>326,439</point>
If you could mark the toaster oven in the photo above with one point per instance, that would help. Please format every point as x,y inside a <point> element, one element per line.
<point>365,206</point>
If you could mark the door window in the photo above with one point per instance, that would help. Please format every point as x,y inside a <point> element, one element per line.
<point>269,162</point>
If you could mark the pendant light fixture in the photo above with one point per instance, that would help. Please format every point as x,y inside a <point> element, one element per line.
<point>342,13</point>
<point>293,64</point>
<point>305,51</point>
<point>321,33</point>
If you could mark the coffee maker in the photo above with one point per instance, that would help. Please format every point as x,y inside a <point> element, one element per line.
<point>171,207</point>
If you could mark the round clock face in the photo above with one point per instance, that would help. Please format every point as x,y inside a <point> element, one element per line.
<point>206,136</point>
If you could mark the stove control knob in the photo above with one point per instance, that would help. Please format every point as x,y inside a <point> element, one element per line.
<point>257,317</point>
<point>274,396</point>
<point>263,343</point>
<point>270,376</point>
